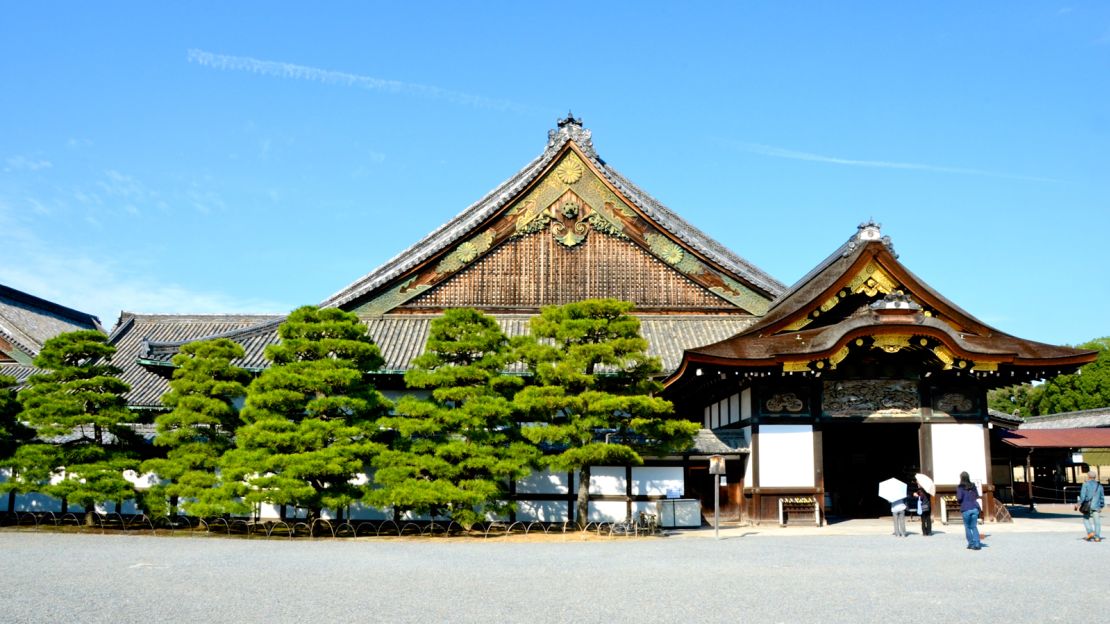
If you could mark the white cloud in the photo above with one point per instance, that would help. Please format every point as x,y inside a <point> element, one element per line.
<point>779,152</point>
<point>330,77</point>
<point>101,286</point>
<point>23,163</point>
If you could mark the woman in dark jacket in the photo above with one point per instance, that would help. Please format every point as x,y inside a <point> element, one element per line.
<point>924,510</point>
<point>968,497</point>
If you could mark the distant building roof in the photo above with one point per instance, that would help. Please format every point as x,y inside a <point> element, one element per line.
<point>1085,437</point>
<point>27,322</point>
<point>1099,417</point>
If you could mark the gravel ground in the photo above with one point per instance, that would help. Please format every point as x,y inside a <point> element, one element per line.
<point>748,576</point>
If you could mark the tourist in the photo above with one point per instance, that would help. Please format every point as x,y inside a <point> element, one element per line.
<point>924,510</point>
<point>968,497</point>
<point>1091,501</point>
<point>898,510</point>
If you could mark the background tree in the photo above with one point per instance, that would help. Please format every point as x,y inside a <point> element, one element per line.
<point>1088,388</point>
<point>454,452</point>
<point>13,433</point>
<point>78,406</point>
<point>201,425</point>
<point>593,390</point>
<point>311,417</point>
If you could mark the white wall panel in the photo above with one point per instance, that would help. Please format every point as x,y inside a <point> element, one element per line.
<point>958,447</point>
<point>543,482</point>
<point>647,480</point>
<point>607,511</point>
<point>542,511</point>
<point>785,456</point>
<point>746,404</point>
<point>607,480</point>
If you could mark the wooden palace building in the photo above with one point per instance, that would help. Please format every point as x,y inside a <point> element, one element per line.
<point>858,372</point>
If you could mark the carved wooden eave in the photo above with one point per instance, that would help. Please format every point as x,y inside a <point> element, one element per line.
<point>571,195</point>
<point>861,299</point>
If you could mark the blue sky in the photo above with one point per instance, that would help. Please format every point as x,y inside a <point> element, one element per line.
<point>252,157</point>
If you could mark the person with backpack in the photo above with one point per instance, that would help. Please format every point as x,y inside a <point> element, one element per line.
<point>1090,504</point>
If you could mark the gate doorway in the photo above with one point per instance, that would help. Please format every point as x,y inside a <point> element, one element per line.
<point>857,456</point>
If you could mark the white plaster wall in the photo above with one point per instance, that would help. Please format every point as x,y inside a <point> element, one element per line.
<point>746,404</point>
<point>958,447</point>
<point>785,456</point>
<point>647,480</point>
<point>748,466</point>
<point>544,482</point>
<point>606,511</point>
<point>542,511</point>
<point>608,480</point>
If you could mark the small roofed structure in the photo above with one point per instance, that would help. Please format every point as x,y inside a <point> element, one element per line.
<point>859,372</point>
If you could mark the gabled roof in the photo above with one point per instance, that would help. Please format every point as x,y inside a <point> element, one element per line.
<point>740,278</point>
<point>861,296</point>
<point>27,322</point>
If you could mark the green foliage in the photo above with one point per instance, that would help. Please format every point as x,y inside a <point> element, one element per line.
<point>454,452</point>
<point>310,419</point>
<point>12,432</point>
<point>593,391</point>
<point>1088,388</point>
<point>1020,399</point>
<point>79,408</point>
<point>200,427</point>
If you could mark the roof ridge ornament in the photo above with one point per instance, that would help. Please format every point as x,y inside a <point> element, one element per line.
<point>867,232</point>
<point>570,128</point>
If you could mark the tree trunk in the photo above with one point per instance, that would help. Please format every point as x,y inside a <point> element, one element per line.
<point>582,513</point>
<point>65,505</point>
<point>173,506</point>
<point>89,511</point>
<point>11,501</point>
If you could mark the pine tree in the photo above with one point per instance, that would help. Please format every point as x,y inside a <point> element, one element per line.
<point>310,419</point>
<point>454,452</point>
<point>13,434</point>
<point>78,407</point>
<point>200,427</point>
<point>593,391</point>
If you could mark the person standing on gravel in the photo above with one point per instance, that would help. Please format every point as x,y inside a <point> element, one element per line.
<point>1091,501</point>
<point>968,497</point>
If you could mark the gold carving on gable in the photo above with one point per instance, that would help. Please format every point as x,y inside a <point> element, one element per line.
<point>392,298</point>
<point>742,296</point>
<point>569,202</point>
<point>891,343</point>
<point>872,280</point>
<point>570,170</point>
<point>466,253</point>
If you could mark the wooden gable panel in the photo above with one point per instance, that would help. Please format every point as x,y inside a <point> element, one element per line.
<point>536,270</point>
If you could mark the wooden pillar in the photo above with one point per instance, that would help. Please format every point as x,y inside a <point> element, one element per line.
<point>757,504</point>
<point>1029,478</point>
<point>818,449</point>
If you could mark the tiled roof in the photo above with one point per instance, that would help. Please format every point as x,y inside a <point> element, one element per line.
<point>401,338</point>
<point>477,213</point>
<point>1086,437</point>
<point>135,330</point>
<point>1068,420</point>
<point>27,321</point>
<point>719,442</point>
<point>20,371</point>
